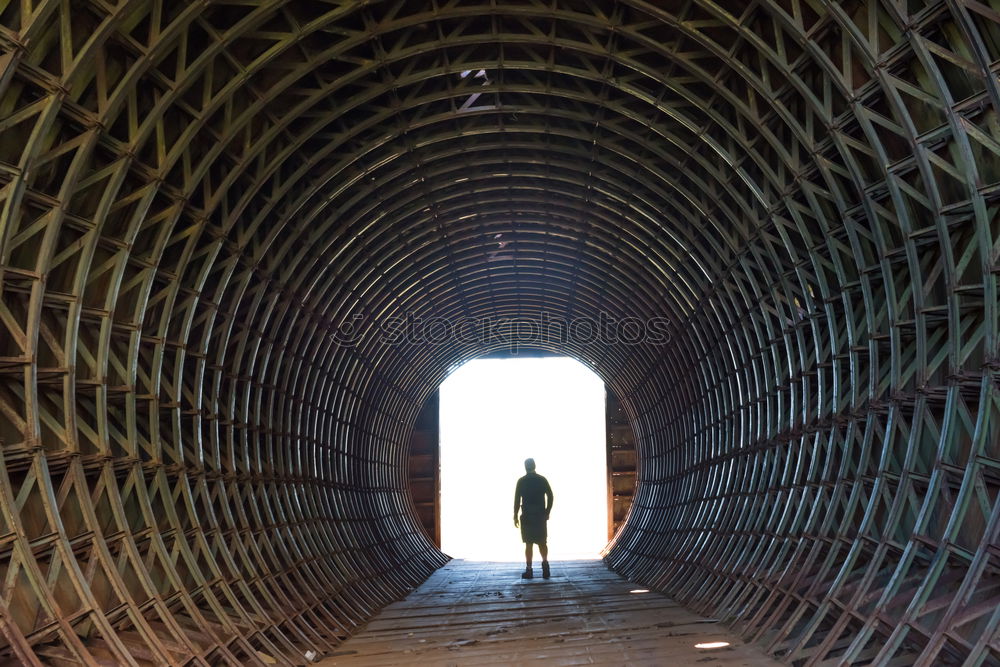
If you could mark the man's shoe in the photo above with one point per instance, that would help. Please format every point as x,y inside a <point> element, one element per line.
<point>545,569</point>
<point>527,574</point>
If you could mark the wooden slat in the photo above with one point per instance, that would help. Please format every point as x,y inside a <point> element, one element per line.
<point>483,613</point>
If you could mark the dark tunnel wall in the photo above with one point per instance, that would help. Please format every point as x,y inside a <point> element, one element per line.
<point>214,213</point>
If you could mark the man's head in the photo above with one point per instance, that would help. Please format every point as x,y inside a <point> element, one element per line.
<point>529,465</point>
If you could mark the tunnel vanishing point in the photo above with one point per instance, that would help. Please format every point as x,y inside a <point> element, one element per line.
<point>216,213</point>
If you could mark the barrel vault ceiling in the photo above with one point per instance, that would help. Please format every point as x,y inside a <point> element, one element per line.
<point>210,211</point>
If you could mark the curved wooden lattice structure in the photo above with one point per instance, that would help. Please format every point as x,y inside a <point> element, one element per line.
<point>210,211</point>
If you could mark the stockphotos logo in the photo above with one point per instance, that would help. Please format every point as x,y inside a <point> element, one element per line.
<point>605,329</point>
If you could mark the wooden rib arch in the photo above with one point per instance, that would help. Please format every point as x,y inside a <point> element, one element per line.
<point>196,196</point>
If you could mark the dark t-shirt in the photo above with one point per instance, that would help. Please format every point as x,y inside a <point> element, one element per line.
<point>533,495</point>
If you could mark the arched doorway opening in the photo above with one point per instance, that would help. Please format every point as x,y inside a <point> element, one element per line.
<point>494,413</point>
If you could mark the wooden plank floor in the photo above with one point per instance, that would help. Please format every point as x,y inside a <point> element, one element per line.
<point>476,613</point>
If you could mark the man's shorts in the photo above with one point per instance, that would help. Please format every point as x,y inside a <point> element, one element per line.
<point>533,528</point>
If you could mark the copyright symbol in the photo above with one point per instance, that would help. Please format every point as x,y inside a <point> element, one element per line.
<point>349,331</point>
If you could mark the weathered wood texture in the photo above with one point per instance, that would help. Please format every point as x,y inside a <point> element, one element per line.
<point>622,464</point>
<point>424,478</point>
<point>474,613</point>
<point>214,215</point>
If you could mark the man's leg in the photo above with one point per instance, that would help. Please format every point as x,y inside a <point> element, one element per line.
<point>543,549</point>
<point>527,554</point>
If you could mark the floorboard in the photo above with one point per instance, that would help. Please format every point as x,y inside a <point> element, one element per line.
<point>482,613</point>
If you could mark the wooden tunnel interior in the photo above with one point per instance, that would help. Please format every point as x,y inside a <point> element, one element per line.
<point>215,215</point>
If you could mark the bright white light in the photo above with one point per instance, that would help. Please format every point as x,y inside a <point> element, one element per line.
<point>712,645</point>
<point>494,414</point>
<point>639,590</point>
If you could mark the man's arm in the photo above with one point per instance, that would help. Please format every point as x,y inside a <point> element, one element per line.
<point>548,499</point>
<point>517,500</point>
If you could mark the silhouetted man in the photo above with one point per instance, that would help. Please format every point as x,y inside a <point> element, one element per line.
<point>533,496</point>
